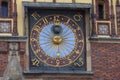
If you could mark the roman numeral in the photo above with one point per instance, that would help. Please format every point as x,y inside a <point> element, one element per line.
<point>35,15</point>
<point>45,21</point>
<point>68,21</point>
<point>56,18</point>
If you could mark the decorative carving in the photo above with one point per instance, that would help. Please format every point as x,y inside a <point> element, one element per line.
<point>5,27</point>
<point>13,46</point>
<point>103,29</point>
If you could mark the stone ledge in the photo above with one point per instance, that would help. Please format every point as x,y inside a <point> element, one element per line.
<point>13,38</point>
<point>105,39</point>
<point>90,73</point>
<point>57,5</point>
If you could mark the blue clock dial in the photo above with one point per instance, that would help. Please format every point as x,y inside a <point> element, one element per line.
<point>53,49</point>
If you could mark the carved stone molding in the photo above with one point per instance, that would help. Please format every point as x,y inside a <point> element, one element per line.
<point>103,28</point>
<point>13,49</point>
<point>6,26</point>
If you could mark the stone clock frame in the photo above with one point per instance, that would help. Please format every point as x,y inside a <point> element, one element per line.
<point>85,7</point>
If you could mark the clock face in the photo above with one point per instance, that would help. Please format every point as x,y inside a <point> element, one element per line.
<point>57,40</point>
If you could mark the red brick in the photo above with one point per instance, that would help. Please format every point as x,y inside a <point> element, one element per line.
<point>105,61</point>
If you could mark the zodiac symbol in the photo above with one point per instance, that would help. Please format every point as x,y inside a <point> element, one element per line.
<point>80,63</point>
<point>35,62</point>
<point>77,17</point>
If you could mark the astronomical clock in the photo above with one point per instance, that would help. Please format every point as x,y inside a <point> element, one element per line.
<point>56,40</point>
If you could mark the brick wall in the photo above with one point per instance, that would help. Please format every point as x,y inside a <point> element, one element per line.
<point>22,50</point>
<point>68,77</point>
<point>3,56</point>
<point>106,61</point>
<point>3,62</point>
<point>63,78</point>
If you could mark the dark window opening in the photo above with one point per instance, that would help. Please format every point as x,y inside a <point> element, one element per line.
<point>4,9</point>
<point>101,13</point>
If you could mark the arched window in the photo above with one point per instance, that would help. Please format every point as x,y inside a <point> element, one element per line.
<point>4,6</point>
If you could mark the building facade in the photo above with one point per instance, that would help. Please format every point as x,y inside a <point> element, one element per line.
<point>61,39</point>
